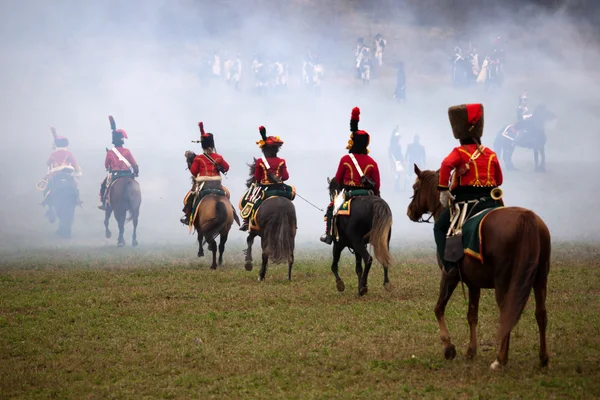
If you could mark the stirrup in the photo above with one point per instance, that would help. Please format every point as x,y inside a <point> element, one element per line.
<point>185,220</point>
<point>244,226</point>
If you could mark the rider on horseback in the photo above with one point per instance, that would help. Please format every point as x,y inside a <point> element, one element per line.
<point>119,161</point>
<point>356,170</point>
<point>270,171</point>
<point>206,170</point>
<point>475,172</point>
<point>61,161</point>
<point>523,110</point>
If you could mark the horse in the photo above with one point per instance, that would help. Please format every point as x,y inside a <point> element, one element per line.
<point>370,221</point>
<point>277,225</point>
<point>62,198</point>
<point>124,197</point>
<point>516,258</point>
<point>529,134</point>
<point>214,218</point>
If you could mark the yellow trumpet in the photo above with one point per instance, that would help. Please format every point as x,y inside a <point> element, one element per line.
<point>496,193</point>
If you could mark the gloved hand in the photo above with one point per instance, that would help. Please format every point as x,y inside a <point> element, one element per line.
<point>445,197</point>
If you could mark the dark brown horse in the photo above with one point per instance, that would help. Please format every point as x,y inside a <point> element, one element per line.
<point>369,222</point>
<point>124,197</point>
<point>276,219</point>
<point>516,253</point>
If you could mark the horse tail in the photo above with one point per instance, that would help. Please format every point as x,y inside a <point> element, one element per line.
<point>217,224</point>
<point>278,235</point>
<point>134,199</point>
<point>379,234</point>
<point>525,267</point>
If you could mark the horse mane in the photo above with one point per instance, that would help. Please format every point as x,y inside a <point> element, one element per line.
<point>428,186</point>
<point>252,167</point>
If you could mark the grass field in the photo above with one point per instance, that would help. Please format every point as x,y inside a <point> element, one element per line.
<point>156,323</point>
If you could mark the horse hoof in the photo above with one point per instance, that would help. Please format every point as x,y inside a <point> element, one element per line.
<point>248,266</point>
<point>495,366</point>
<point>362,291</point>
<point>388,286</point>
<point>471,353</point>
<point>134,243</point>
<point>120,244</point>
<point>200,254</point>
<point>261,279</point>
<point>108,235</point>
<point>213,267</point>
<point>340,286</point>
<point>544,361</point>
<point>450,352</point>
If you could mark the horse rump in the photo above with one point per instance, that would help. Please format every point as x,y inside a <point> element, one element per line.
<point>525,266</point>
<point>216,224</point>
<point>279,236</point>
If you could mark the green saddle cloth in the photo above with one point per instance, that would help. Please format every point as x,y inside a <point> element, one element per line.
<point>471,234</point>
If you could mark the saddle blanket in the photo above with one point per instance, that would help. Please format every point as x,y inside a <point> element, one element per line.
<point>471,231</point>
<point>248,208</point>
<point>351,195</point>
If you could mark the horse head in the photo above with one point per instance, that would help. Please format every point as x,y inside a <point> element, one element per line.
<point>333,187</point>
<point>425,195</point>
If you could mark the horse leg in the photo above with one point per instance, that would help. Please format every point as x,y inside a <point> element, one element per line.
<point>212,246</point>
<point>337,252</point>
<point>250,242</point>
<point>362,254</point>
<point>222,242</point>
<point>134,241</point>
<point>472,318</point>
<point>107,215</point>
<point>535,160</point>
<point>121,223</point>
<point>290,264</point>
<point>502,355</point>
<point>508,158</point>
<point>543,161</point>
<point>447,286</point>
<point>200,248</point>
<point>542,320</point>
<point>263,267</point>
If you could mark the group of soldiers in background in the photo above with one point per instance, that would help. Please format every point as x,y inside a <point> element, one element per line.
<point>469,68</point>
<point>368,57</point>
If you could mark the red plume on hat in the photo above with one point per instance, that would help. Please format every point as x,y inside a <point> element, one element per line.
<point>59,141</point>
<point>267,140</point>
<point>359,139</point>
<point>206,139</point>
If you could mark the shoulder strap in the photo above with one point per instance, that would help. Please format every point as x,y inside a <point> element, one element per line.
<point>264,160</point>
<point>121,158</point>
<point>360,171</point>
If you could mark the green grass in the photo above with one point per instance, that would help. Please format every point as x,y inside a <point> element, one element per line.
<point>124,323</point>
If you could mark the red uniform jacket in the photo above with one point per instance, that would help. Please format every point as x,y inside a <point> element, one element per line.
<point>203,167</point>
<point>61,157</point>
<point>112,162</point>
<point>348,175</point>
<point>277,168</point>
<point>483,171</point>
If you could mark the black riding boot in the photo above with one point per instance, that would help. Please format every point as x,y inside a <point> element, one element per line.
<point>102,205</point>
<point>244,226</point>
<point>440,229</point>
<point>326,238</point>
<point>187,209</point>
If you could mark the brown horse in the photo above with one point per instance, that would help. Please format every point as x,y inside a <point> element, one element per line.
<point>516,254</point>
<point>124,196</point>
<point>277,223</point>
<point>214,218</point>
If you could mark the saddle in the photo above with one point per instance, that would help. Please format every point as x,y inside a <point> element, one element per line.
<point>256,195</point>
<point>342,205</point>
<point>464,234</point>
<point>200,191</point>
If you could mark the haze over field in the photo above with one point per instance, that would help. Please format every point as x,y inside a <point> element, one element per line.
<point>71,64</point>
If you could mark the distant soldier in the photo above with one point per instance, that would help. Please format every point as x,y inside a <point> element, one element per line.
<point>380,43</point>
<point>523,109</point>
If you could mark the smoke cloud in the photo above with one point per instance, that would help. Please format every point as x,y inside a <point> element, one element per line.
<point>71,64</point>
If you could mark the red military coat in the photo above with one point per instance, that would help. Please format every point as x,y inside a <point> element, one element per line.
<point>59,158</point>
<point>484,171</point>
<point>112,162</point>
<point>203,167</point>
<point>348,175</point>
<point>277,168</point>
